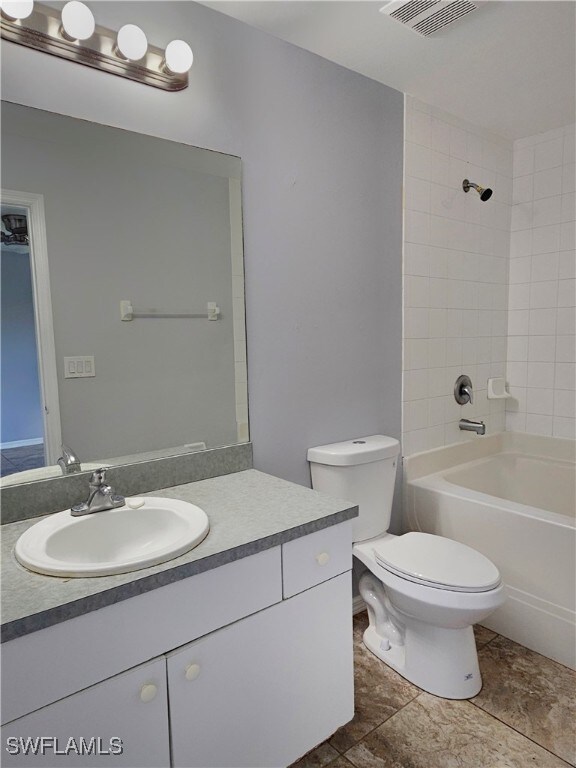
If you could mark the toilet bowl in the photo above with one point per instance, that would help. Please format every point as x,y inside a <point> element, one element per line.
<point>431,608</point>
<point>423,592</point>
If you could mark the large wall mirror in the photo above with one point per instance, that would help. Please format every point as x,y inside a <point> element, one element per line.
<point>100,224</point>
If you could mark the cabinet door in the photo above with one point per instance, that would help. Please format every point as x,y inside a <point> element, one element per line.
<point>263,691</point>
<point>122,721</point>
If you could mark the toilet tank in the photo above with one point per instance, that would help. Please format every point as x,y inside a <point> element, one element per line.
<point>363,471</point>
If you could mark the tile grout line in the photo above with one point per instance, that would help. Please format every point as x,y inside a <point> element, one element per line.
<point>479,648</point>
<point>420,692</point>
<point>478,706</point>
<point>494,717</point>
<point>512,728</point>
<point>340,757</point>
<point>537,653</point>
<point>343,754</point>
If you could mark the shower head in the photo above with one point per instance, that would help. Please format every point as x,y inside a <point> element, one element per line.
<point>484,192</point>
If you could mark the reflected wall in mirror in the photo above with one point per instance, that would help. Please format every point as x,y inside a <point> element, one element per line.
<point>135,218</point>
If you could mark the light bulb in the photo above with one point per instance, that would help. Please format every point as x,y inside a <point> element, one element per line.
<point>77,21</point>
<point>178,57</point>
<point>132,42</point>
<point>18,9</point>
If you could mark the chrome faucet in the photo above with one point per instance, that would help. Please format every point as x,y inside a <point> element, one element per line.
<point>472,426</point>
<point>101,497</point>
<point>69,463</point>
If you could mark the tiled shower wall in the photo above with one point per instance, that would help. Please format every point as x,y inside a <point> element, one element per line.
<point>456,257</point>
<point>541,322</point>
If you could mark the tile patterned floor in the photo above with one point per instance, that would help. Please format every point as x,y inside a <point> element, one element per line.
<point>20,459</point>
<point>525,715</point>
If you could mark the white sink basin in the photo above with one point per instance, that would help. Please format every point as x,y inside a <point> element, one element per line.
<point>116,541</point>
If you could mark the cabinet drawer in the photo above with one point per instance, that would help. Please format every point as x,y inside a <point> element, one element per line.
<point>315,558</point>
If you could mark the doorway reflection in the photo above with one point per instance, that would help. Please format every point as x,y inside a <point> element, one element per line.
<point>21,424</point>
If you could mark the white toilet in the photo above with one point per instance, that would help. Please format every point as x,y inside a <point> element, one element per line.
<point>423,592</point>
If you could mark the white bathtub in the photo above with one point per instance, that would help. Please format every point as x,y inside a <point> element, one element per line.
<point>512,497</point>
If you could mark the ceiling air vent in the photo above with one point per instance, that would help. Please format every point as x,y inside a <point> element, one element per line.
<point>428,16</point>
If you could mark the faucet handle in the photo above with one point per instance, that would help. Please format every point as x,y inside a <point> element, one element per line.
<point>463,392</point>
<point>98,477</point>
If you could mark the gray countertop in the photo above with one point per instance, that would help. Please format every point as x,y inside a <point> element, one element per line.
<point>248,511</point>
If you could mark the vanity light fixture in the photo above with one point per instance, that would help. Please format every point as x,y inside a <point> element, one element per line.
<point>178,57</point>
<point>77,21</point>
<point>131,42</point>
<point>17,10</point>
<point>74,35</point>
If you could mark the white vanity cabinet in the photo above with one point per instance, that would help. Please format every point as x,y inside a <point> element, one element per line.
<point>122,722</point>
<point>247,665</point>
<point>261,692</point>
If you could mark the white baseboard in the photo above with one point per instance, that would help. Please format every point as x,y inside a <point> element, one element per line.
<point>21,443</point>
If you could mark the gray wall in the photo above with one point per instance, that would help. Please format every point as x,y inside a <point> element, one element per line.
<point>322,194</point>
<point>21,412</point>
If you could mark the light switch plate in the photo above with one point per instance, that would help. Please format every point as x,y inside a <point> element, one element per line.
<point>79,367</point>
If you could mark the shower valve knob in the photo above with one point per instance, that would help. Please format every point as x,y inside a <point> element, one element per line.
<point>463,391</point>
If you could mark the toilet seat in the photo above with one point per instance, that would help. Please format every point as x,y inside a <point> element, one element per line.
<point>435,561</point>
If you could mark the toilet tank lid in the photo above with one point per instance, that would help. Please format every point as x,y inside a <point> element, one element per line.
<point>361,450</point>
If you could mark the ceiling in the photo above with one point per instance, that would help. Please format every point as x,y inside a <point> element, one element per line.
<point>509,66</point>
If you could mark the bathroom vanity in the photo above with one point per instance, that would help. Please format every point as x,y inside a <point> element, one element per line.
<point>237,653</point>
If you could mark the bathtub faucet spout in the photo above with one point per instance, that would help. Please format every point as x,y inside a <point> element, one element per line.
<point>473,426</point>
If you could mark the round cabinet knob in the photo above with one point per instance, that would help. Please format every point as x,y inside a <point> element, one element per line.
<point>192,671</point>
<point>148,692</point>
<point>322,558</point>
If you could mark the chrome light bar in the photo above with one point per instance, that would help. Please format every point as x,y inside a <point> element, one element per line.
<point>43,30</point>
